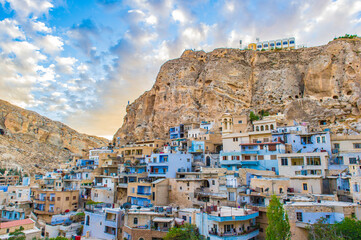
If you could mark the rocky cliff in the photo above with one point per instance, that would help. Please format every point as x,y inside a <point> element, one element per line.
<point>37,143</point>
<point>311,84</point>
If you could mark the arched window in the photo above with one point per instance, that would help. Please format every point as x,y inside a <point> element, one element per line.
<point>272,127</point>
<point>87,220</point>
<point>257,128</point>
<point>262,128</point>
<point>135,220</point>
<point>208,161</point>
<point>267,128</point>
<point>141,238</point>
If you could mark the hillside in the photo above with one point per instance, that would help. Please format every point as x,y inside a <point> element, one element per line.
<point>37,143</point>
<point>311,84</point>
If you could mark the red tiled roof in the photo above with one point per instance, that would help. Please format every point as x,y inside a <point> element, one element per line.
<point>16,223</point>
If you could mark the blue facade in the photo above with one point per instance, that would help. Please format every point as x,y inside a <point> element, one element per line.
<point>167,165</point>
<point>176,132</point>
<point>197,146</point>
<point>144,202</point>
<point>303,141</point>
<point>260,156</point>
<point>12,215</point>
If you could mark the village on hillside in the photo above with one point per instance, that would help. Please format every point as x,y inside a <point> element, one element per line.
<point>218,175</point>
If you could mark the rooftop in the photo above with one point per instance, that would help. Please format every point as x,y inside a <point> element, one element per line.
<point>322,203</point>
<point>16,223</point>
<point>229,211</point>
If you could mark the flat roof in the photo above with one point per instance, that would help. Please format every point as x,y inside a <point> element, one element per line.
<point>322,203</point>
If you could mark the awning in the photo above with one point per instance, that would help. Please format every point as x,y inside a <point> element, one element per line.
<point>163,219</point>
<point>179,221</point>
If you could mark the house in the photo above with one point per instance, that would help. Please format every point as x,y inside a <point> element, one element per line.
<point>105,223</point>
<point>302,214</point>
<point>306,164</point>
<point>168,164</point>
<point>30,230</point>
<point>149,223</point>
<point>346,149</point>
<point>50,202</point>
<point>176,132</point>
<point>146,193</point>
<point>227,223</point>
<point>259,155</point>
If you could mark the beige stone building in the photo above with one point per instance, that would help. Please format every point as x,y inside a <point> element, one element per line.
<point>49,202</point>
<point>30,230</point>
<point>144,193</point>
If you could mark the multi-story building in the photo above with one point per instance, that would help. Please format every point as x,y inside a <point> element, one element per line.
<point>232,123</point>
<point>346,149</point>
<point>260,156</point>
<point>147,193</point>
<point>148,224</point>
<point>50,202</point>
<point>303,164</point>
<point>176,132</point>
<point>217,223</point>
<point>105,223</point>
<point>168,164</point>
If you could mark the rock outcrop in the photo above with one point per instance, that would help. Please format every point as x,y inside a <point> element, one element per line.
<point>311,84</point>
<point>35,143</point>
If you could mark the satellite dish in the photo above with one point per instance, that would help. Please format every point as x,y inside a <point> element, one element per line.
<point>127,205</point>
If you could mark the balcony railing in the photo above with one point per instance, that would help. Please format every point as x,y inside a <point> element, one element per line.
<point>144,193</point>
<point>236,233</point>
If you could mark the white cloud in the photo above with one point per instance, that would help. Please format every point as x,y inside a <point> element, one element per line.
<point>65,64</point>
<point>25,8</point>
<point>38,26</point>
<point>178,15</point>
<point>9,30</point>
<point>50,44</point>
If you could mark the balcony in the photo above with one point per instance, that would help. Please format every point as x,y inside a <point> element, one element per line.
<point>247,151</point>
<point>144,193</point>
<point>236,236</point>
<point>233,218</point>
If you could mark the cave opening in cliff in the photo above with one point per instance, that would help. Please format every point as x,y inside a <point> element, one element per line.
<point>2,132</point>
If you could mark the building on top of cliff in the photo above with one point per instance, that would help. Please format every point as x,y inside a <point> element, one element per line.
<point>286,43</point>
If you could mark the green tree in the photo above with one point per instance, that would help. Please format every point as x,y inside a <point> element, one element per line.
<point>278,225</point>
<point>253,116</point>
<point>322,230</point>
<point>184,232</point>
<point>17,234</point>
<point>349,228</point>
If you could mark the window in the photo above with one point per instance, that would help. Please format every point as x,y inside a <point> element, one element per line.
<point>260,157</point>
<point>67,199</point>
<point>323,139</point>
<point>265,139</point>
<point>336,146</point>
<point>352,160</point>
<point>213,182</point>
<point>318,140</point>
<point>357,145</point>
<point>240,121</point>
<point>281,190</point>
<point>356,188</point>
<point>315,161</point>
<point>184,218</point>
<point>133,190</point>
<point>305,187</point>
<point>224,157</point>
<point>235,139</point>
<point>299,216</point>
<point>74,197</point>
<point>284,161</point>
<point>87,220</point>
<point>135,221</point>
<point>297,161</point>
<point>272,147</point>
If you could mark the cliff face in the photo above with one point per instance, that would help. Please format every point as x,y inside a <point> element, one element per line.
<point>311,84</point>
<point>36,143</point>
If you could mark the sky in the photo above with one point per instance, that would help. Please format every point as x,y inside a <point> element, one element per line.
<point>81,61</point>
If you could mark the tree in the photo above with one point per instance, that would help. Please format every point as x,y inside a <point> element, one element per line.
<point>253,116</point>
<point>322,230</point>
<point>347,229</point>
<point>17,234</point>
<point>184,232</point>
<point>278,225</point>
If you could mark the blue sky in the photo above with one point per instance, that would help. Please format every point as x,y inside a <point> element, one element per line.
<point>81,61</point>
